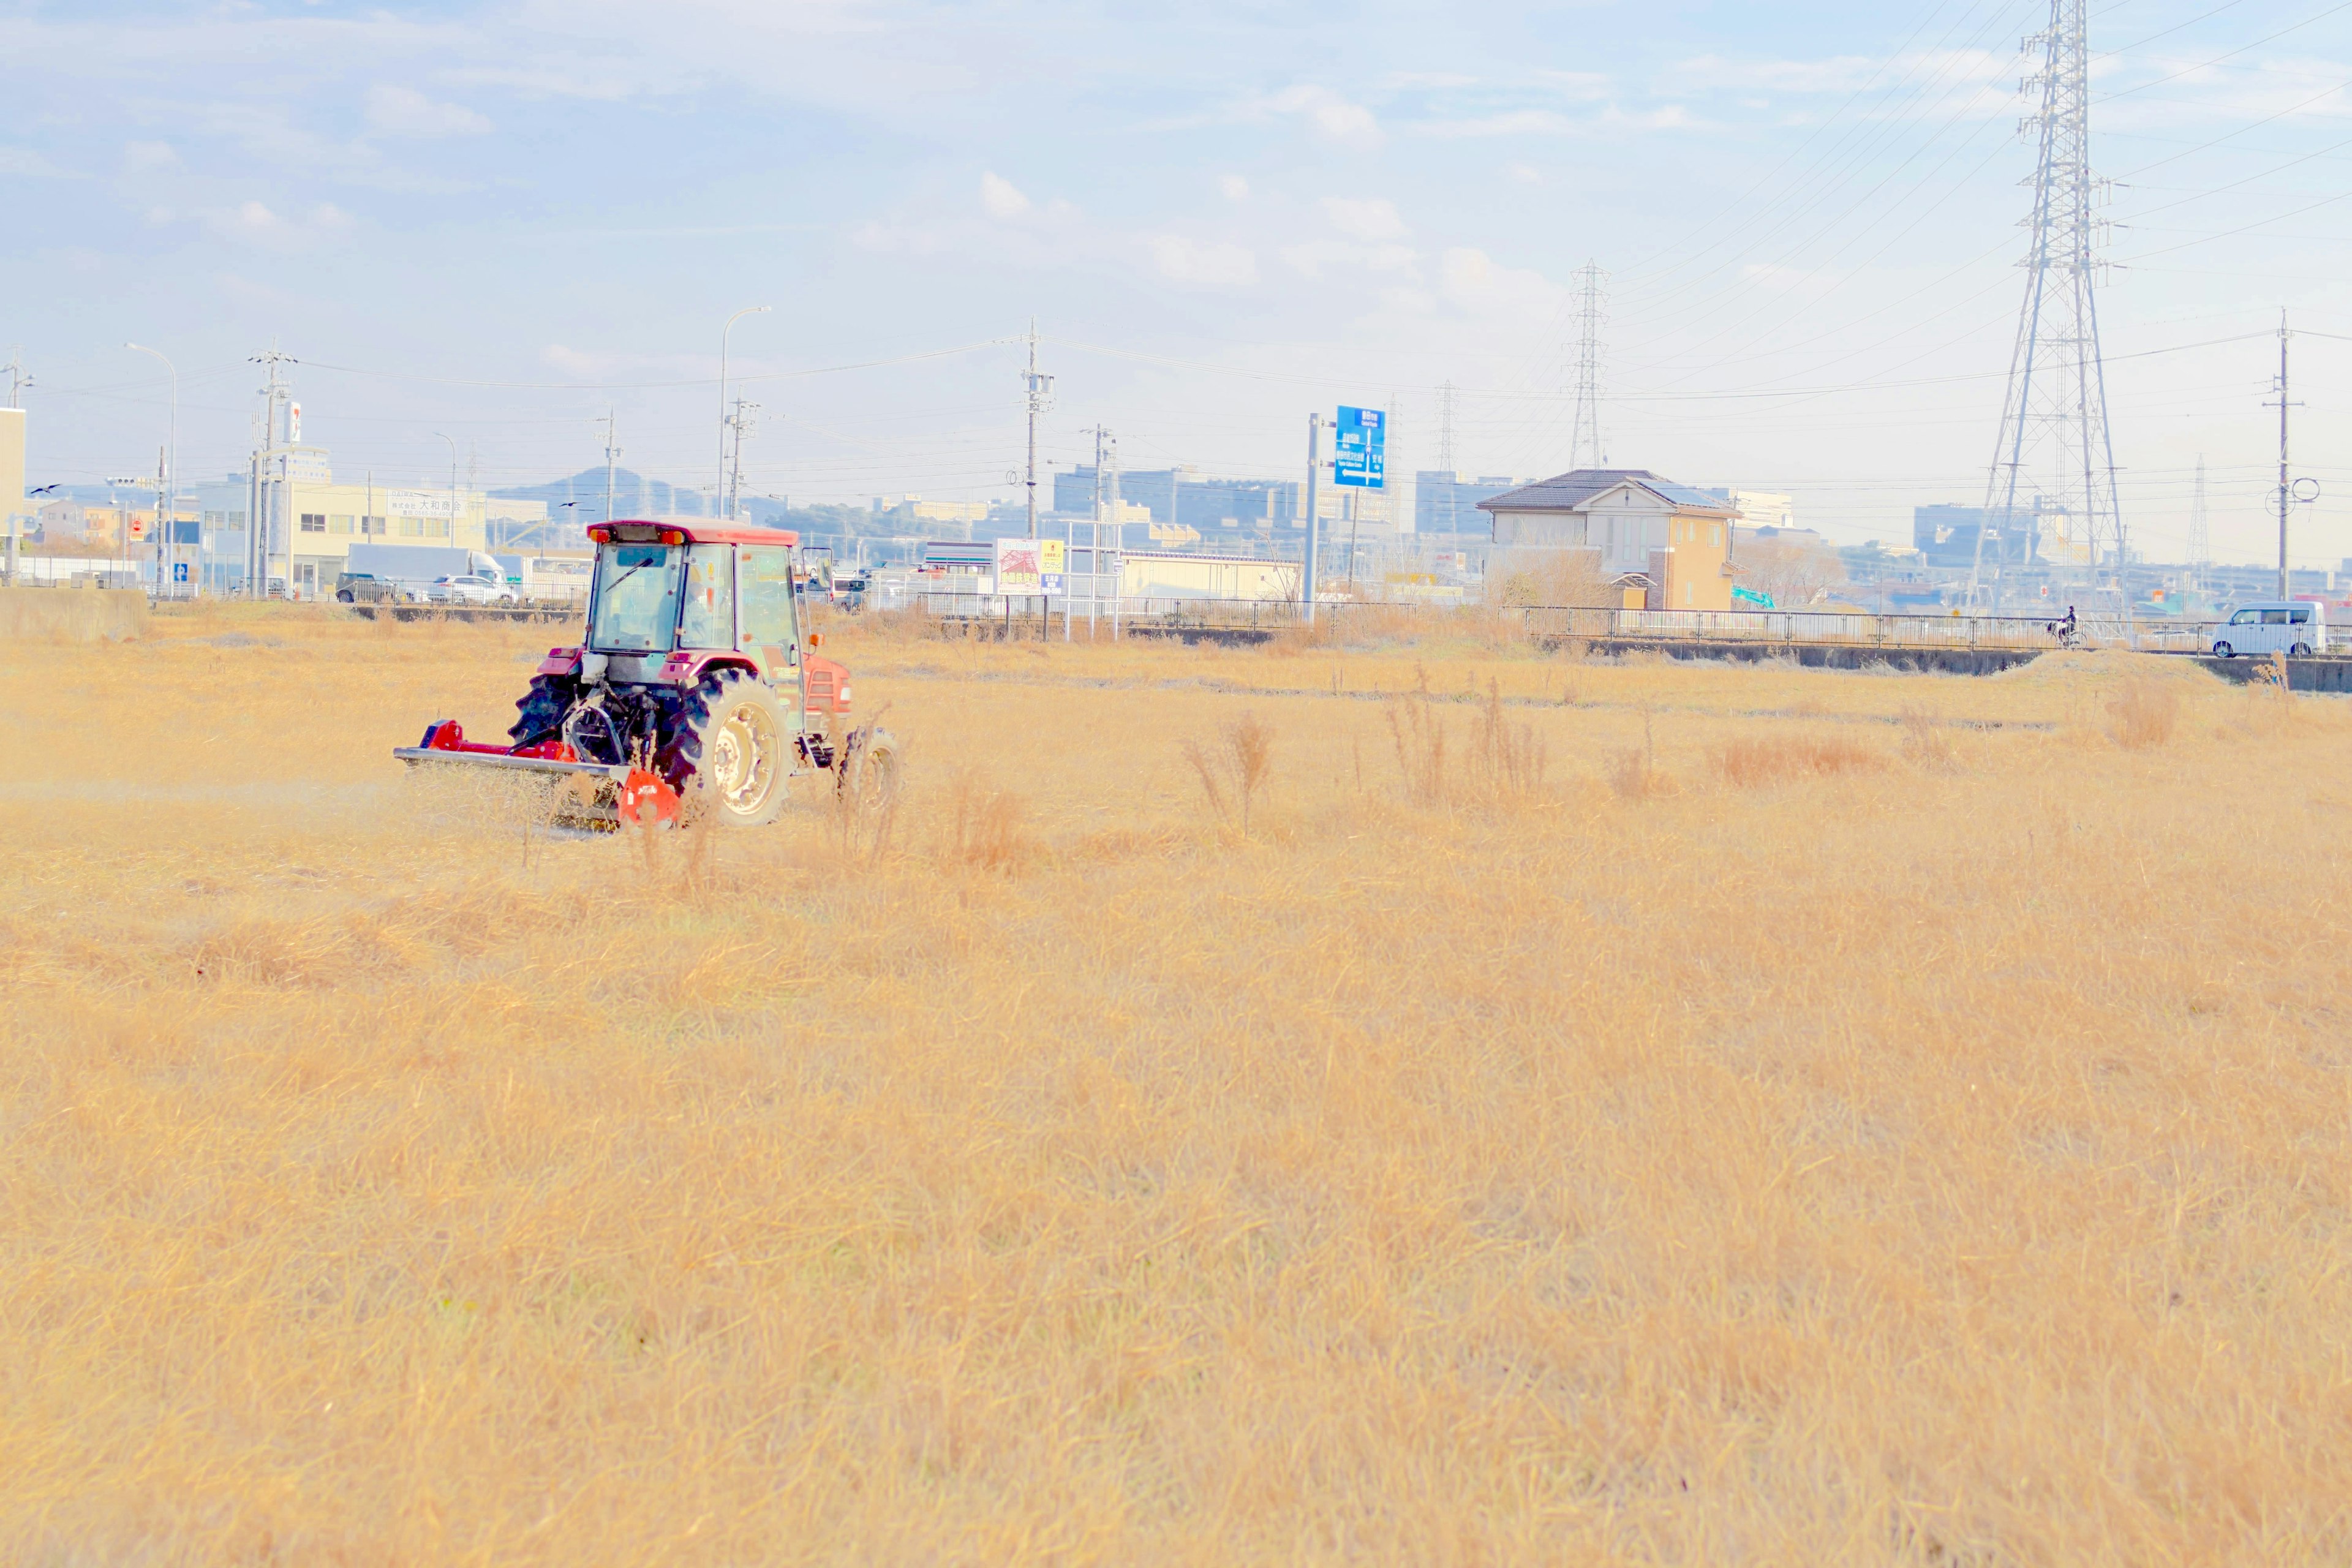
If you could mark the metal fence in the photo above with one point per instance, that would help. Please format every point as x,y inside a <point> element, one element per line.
<point>1567,623</point>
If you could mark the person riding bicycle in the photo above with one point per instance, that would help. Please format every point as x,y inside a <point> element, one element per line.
<point>2064,630</point>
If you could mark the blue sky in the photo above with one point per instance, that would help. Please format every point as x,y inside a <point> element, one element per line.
<point>497,220</point>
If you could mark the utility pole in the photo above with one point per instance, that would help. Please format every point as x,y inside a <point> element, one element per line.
<point>17,379</point>
<point>747,310</point>
<point>269,488</point>
<point>1445,458</point>
<point>612,456</point>
<point>2201,547</point>
<point>740,422</point>
<point>167,482</point>
<point>2285,486</point>
<point>1585,436</point>
<point>1040,400</point>
<point>1314,529</point>
<point>453,488</point>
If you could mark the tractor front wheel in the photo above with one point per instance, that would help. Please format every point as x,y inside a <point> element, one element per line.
<point>729,747</point>
<point>868,776</point>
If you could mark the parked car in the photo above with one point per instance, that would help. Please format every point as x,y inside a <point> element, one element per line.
<point>367,588</point>
<point>468,590</point>
<point>2297,627</point>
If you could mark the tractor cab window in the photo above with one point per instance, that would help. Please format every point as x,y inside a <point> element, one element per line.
<point>708,618</point>
<point>636,599</point>
<point>767,591</point>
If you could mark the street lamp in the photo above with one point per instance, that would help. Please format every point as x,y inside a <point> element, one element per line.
<point>747,310</point>
<point>167,502</point>
<point>453,487</point>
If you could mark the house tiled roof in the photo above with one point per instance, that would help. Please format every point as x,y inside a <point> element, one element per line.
<point>1571,491</point>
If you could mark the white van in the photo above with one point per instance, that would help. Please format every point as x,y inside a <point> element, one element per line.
<point>2273,626</point>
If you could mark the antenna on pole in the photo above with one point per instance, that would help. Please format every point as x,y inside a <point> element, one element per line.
<point>2054,413</point>
<point>1584,447</point>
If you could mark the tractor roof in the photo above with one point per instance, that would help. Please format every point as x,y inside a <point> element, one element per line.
<point>633,530</point>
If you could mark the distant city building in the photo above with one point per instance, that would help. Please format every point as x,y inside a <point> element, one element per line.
<point>1183,496</point>
<point>1446,502</point>
<point>1760,508</point>
<point>1946,535</point>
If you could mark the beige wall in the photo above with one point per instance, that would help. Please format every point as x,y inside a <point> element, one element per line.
<point>12,472</point>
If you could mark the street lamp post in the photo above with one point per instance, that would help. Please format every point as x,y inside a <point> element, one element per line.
<point>453,487</point>
<point>167,501</point>
<point>747,310</point>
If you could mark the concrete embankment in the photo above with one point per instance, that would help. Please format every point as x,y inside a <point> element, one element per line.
<point>72,614</point>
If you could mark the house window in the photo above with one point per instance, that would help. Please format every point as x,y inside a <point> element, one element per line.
<point>374,525</point>
<point>412,528</point>
<point>339,524</point>
<point>1714,534</point>
<point>314,523</point>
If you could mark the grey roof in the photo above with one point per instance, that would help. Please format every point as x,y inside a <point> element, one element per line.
<point>1570,492</point>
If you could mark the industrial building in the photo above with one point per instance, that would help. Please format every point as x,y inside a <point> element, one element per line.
<point>305,509</point>
<point>1671,540</point>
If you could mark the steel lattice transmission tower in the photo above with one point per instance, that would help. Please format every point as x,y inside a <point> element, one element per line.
<point>1584,449</point>
<point>2053,421</point>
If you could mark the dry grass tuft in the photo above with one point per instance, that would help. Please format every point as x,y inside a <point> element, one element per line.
<point>1506,762</point>
<point>1235,769</point>
<point>1755,762</point>
<point>2145,712</point>
<point>1632,771</point>
<point>1926,743</point>
<point>986,828</point>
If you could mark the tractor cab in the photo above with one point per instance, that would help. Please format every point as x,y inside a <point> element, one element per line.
<point>694,670</point>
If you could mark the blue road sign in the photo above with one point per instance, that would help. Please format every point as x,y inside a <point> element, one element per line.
<point>1360,445</point>
<point>179,571</point>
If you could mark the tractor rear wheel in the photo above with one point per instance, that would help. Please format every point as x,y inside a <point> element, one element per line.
<point>870,775</point>
<point>538,712</point>
<point>730,749</point>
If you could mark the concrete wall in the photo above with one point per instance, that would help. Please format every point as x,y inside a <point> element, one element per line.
<point>71,614</point>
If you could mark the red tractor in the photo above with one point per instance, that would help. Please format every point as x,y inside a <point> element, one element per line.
<point>695,680</point>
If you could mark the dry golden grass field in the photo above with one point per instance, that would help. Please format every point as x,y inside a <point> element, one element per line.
<point>1237,1108</point>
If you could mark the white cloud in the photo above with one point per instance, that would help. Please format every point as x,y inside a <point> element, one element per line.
<point>256,225</point>
<point>26,165</point>
<point>1002,197</point>
<point>1200,265</point>
<point>149,158</point>
<point>1364,219</point>
<point>1526,173</point>
<point>1335,119</point>
<point>1234,188</point>
<point>1471,280</point>
<point>405,111</point>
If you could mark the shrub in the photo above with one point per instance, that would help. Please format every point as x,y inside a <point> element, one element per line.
<point>1751,763</point>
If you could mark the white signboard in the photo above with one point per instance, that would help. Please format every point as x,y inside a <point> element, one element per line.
<point>1030,568</point>
<point>418,503</point>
